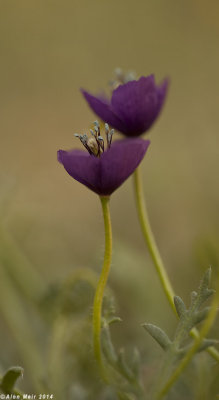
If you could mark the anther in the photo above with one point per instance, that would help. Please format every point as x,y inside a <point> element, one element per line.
<point>109,137</point>
<point>95,143</point>
<point>122,78</point>
<point>83,139</point>
<point>97,127</point>
<point>101,142</point>
<point>96,123</point>
<point>119,74</point>
<point>107,134</point>
<point>93,146</point>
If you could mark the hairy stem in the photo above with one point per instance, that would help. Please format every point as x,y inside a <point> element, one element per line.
<point>149,238</point>
<point>154,252</point>
<point>98,298</point>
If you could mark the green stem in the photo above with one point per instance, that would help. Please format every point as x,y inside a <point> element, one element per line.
<point>154,252</point>
<point>98,298</point>
<point>150,240</point>
<point>187,358</point>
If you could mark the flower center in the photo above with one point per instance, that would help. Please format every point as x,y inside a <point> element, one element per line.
<point>121,78</point>
<point>94,144</point>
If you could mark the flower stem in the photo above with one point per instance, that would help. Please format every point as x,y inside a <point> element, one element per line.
<point>98,298</point>
<point>154,252</point>
<point>150,240</point>
<point>202,334</point>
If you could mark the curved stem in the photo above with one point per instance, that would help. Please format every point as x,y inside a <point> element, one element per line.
<point>150,240</point>
<point>187,358</point>
<point>154,252</point>
<point>98,298</point>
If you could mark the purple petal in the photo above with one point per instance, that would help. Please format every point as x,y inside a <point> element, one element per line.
<point>81,166</point>
<point>162,92</point>
<point>134,106</point>
<point>105,174</point>
<point>101,106</point>
<point>120,162</point>
<point>138,104</point>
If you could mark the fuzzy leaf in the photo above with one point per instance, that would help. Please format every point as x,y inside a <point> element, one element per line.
<point>207,343</point>
<point>10,378</point>
<point>200,315</point>
<point>180,306</point>
<point>113,320</point>
<point>206,280</point>
<point>159,335</point>
<point>124,369</point>
<point>194,295</point>
<point>208,293</point>
<point>204,291</point>
<point>135,363</point>
<point>108,348</point>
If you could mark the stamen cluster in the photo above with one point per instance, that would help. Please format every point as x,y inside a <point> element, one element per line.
<point>95,144</point>
<point>121,78</point>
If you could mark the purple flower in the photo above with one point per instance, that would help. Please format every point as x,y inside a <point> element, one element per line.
<point>133,107</point>
<point>103,171</point>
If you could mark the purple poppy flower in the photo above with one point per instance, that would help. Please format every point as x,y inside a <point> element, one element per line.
<point>103,171</point>
<point>133,107</point>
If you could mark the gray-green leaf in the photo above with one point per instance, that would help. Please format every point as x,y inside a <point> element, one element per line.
<point>159,335</point>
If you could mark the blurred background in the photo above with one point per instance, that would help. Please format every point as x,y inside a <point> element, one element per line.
<point>51,226</point>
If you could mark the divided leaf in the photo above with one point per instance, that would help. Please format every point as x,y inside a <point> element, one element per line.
<point>204,292</point>
<point>159,335</point>
<point>207,343</point>
<point>199,316</point>
<point>135,363</point>
<point>108,347</point>
<point>180,306</point>
<point>126,372</point>
<point>123,367</point>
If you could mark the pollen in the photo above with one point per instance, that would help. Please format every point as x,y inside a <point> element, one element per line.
<point>94,144</point>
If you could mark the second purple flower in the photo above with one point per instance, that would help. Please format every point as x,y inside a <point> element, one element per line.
<point>133,107</point>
